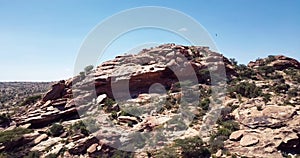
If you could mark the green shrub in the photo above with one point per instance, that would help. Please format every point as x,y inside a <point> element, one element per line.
<point>245,72</point>
<point>266,97</point>
<point>265,70</point>
<point>114,115</point>
<point>82,75</point>
<point>192,148</point>
<point>56,129</point>
<point>13,135</point>
<point>294,74</point>
<point>281,88</point>
<point>204,104</point>
<point>204,76</point>
<point>108,104</point>
<point>230,125</point>
<point>270,59</point>
<point>223,132</point>
<point>4,118</point>
<point>88,69</point>
<point>233,61</point>
<point>79,127</point>
<point>227,125</point>
<point>246,89</point>
<point>216,143</point>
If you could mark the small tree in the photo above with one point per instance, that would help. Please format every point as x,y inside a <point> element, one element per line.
<point>82,74</point>
<point>266,70</point>
<point>233,61</point>
<point>88,69</point>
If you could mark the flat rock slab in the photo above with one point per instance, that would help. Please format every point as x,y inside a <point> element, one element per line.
<point>236,136</point>
<point>249,140</point>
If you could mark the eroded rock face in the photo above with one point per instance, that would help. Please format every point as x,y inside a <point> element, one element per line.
<point>163,65</point>
<point>57,91</point>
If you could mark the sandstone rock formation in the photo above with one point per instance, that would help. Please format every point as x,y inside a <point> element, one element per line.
<point>138,102</point>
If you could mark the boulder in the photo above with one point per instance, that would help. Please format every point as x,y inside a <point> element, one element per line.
<point>249,140</point>
<point>81,145</point>
<point>236,135</point>
<point>101,98</point>
<point>57,91</point>
<point>40,138</point>
<point>92,148</point>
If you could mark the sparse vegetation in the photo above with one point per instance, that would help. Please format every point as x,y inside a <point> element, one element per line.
<point>15,93</point>
<point>227,125</point>
<point>192,148</point>
<point>31,100</point>
<point>78,127</point>
<point>280,88</point>
<point>108,104</point>
<point>13,135</point>
<point>233,61</point>
<point>293,73</point>
<point>266,70</point>
<point>270,59</point>
<point>56,129</point>
<point>244,72</point>
<point>204,104</point>
<point>33,154</point>
<point>4,119</point>
<point>246,89</point>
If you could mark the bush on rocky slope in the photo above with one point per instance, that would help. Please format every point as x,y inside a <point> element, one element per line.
<point>12,135</point>
<point>246,89</point>
<point>31,100</point>
<point>56,129</point>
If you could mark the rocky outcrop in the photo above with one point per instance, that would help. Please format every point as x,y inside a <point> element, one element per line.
<point>265,131</point>
<point>279,62</point>
<point>57,91</point>
<point>148,106</point>
<point>271,116</point>
<point>163,65</point>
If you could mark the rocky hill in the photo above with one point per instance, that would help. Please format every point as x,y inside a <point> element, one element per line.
<point>168,101</point>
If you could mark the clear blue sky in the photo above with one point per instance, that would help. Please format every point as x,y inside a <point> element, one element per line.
<point>39,40</point>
